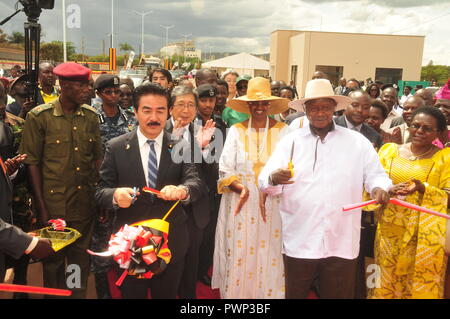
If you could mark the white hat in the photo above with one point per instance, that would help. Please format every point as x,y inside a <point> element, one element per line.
<point>320,89</point>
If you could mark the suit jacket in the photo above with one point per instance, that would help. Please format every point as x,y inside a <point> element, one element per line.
<point>199,209</point>
<point>6,189</point>
<point>397,121</point>
<point>122,167</point>
<point>366,130</point>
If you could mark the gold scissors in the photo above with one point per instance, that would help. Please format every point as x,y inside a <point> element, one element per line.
<point>290,164</point>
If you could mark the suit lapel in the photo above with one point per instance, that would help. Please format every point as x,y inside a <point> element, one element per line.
<point>134,156</point>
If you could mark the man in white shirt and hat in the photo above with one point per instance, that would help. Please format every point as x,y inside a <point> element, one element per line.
<point>329,167</point>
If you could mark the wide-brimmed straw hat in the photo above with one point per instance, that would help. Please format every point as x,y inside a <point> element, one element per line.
<point>259,90</point>
<point>320,89</point>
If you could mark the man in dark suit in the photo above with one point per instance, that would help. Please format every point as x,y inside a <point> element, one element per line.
<point>183,111</point>
<point>355,114</point>
<point>206,101</point>
<point>13,241</point>
<point>146,157</point>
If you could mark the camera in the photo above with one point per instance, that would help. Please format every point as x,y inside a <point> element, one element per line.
<point>33,8</point>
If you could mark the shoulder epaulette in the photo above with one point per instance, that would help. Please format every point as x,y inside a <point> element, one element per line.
<point>41,108</point>
<point>90,108</point>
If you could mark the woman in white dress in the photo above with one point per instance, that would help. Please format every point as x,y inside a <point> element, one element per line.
<point>247,256</point>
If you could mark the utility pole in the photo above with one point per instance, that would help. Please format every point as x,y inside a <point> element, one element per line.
<point>142,14</point>
<point>64,30</point>
<point>167,27</point>
<point>82,48</point>
<point>185,36</point>
<point>112,23</point>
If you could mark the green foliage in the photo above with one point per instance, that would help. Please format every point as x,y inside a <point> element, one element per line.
<point>439,73</point>
<point>53,51</point>
<point>125,47</point>
<point>17,38</point>
<point>99,58</point>
<point>3,37</point>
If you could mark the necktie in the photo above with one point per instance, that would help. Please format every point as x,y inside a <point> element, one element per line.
<point>152,165</point>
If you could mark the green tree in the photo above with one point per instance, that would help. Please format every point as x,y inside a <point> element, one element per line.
<point>3,37</point>
<point>53,51</point>
<point>439,73</point>
<point>125,47</point>
<point>17,38</point>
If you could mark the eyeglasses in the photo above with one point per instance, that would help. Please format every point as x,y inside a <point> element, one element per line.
<point>182,105</point>
<point>425,129</point>
<point>256,103</point>
<point>111,92</point>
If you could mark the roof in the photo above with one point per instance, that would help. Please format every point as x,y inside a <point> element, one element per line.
<point>239,61</point>
<point>352,33</point>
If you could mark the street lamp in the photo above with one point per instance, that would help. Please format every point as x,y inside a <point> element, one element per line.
<point>167,27</point>
<point>142,14</point>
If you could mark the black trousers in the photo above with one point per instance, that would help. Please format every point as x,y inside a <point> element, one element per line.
<point>162,286</point>
<point>188,283</point>
<point>336,277</point>
<point>54,267</point>
<point>209,235</point>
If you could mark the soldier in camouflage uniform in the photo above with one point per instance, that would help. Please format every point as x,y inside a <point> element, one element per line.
<point>62,142</point>
<point>114,121</point>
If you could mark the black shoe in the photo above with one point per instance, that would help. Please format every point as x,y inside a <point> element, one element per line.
<point>206,280</point>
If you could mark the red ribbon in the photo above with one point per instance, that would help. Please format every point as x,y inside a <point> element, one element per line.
<point>398,202</point>
<point>35,290</point>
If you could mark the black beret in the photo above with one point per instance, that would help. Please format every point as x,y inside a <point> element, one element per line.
<point>106,81</point>
<point>206,90</point>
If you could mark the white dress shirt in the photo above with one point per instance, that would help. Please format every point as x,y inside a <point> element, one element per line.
<point>328,174</point>
<point>351,126</point>
<point>144,149</point>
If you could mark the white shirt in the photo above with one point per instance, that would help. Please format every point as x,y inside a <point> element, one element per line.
<point>327,175</point>
<point>404,98</point>
<point>144,149</point>
<point>351,126</point>
<point>301,121</point>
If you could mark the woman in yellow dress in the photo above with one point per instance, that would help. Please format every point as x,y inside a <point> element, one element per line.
<point>247,256</point>
<point>409,245</point>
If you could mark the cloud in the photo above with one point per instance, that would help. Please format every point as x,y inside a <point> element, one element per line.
<point>235,25</point>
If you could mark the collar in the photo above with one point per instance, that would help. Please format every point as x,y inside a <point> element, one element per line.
<point>306,130</point>
<point>99,108</point>
<point>351,126</point>
<point>54,92</point>
<point>142,139</point>
<point>57,110</point>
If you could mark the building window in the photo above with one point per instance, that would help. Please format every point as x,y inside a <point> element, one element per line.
<point>333,73</point>
<point>388,75</point>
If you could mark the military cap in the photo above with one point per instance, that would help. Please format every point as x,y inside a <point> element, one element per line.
<point>72,71</point>
<point>106,81</point>
<point>206,90</point>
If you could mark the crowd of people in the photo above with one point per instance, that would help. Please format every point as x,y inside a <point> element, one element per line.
<point>261,173</point>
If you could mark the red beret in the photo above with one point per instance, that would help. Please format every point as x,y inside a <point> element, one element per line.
<point>72,71</point>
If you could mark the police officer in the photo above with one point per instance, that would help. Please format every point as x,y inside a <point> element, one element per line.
<point>114,121</point>
<point>62,141</point>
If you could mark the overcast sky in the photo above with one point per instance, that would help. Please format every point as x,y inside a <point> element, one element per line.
<point>236,25</point>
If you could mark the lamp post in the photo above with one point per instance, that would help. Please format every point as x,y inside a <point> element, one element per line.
<point>64,30</point>
<point>142,14</point>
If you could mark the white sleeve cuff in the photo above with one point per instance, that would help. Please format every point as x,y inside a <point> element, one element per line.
<point>32,245</point>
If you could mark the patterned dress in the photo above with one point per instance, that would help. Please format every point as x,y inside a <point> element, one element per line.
<point>409,246</point>
<point>247,256</point>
